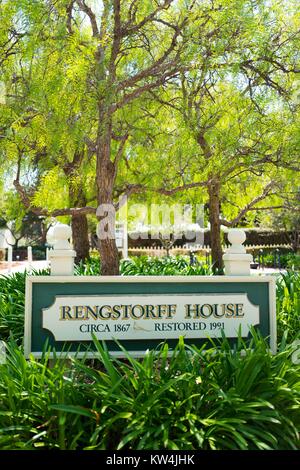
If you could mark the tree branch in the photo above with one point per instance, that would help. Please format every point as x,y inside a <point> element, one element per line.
<point>69,9</point>
<point>250,206</point>
<point>56,212</point>
<point>116,40</point>
<point>89,12</point>
<point>127,98</point>
<point>120,152</point>
<point>130,29</point>
<point>156,67</point>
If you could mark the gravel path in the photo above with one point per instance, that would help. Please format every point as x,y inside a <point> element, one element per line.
<point>21,266</point>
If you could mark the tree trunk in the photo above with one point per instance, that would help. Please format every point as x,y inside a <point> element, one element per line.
<point>215,226</point>
<point>79,223</point>
<point>109,256</point>
<point>106,173</point>
<point>80,236</point>
<point>44,231</point>
<point>295,237</point>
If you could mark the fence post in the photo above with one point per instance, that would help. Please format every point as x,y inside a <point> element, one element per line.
<point>62,256</point>
<point>9,258</point>
<point>278,258</point>
<point>236,260</point>
<point>261,258</point>
<point>29,257</point>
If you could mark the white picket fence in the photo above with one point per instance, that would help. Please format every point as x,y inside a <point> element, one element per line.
<point>205,249</point>
<point>157,251</point>
<point>8,265</point>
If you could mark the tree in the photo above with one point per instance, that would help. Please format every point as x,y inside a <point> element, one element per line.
<point>138,50</point>
<point>20,223</point>
<point>284,213</point>
<point>44,135</point>
<point>90,76</point>
<point>235,102</point>
<point>9,35</point>
<point>135,49</point>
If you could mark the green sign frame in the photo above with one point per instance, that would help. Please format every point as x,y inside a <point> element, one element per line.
<point>42,292</point>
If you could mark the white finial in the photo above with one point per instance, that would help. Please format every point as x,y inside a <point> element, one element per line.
<point>236,237</point>
<point>62,256</point>
<point>50,240</point>
<point>60,236</point>
<point>236,260</point>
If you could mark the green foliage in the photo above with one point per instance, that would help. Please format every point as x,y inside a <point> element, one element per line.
<point>229,115</point>
<point>90,267</point>
<point>12,305</point>
<point>12,211</point>
<point>293,262</point>
<point>62,87</point>
<point>289,260</point>
<point>147,266</point>
<point>288,305</point>
<point>28,389</point>
<point>164,266</point>
<point>218,399</point>
<point>12,300</point>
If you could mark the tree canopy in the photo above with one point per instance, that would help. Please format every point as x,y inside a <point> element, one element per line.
<point>192,101</point>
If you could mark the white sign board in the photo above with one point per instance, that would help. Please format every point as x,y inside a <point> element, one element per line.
<point>127,317</point>
<point>141,312</point>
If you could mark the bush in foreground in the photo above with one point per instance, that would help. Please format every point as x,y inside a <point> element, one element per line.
<point>218,399</point>
<point>288,304</point>
<point>164,266</point>
<point>148,266</point>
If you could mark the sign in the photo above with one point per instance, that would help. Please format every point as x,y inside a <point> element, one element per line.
<point>142,312</point>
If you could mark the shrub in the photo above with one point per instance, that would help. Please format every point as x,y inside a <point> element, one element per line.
<point>288,304</point>
<point>12,305</point>
<point>91,267</point>
<point>269,258</point>
<point>293,262</point>
<point>38,253</point>
<point>218,399</point>
<point>164,266</point>
<point>147,266</point>
<point>12,301</point>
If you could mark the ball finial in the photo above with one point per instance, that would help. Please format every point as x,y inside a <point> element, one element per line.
<point>60,235</point>
<point>50,240</point>
<point>236,236</point>
<point>236,260</point>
